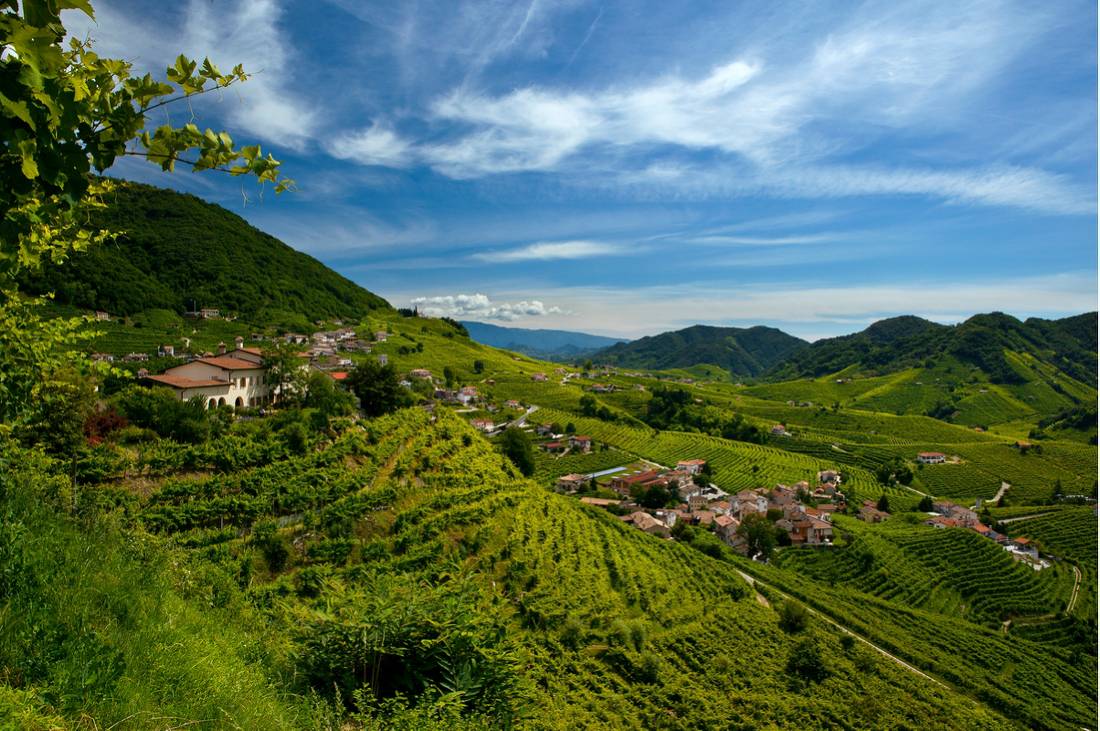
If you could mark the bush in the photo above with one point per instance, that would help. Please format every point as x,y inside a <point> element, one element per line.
<point>793,616</point>
<point>807,661</point>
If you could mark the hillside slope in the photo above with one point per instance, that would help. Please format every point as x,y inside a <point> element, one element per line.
<point>741,351</point>
<point>176,251</point>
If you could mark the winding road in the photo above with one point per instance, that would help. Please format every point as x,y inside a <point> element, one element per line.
<point>753,582</point>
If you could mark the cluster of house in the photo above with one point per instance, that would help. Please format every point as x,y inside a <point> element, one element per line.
<point>707,505</point>
<point>326,344</point>
<point>946,514</point>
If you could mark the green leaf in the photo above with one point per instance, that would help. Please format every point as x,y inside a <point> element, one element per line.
<point>17,109</point>
<point>27,148</point>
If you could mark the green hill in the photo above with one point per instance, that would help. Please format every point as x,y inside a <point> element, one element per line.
<point>741,351</point>
<point>176,252</point>
<point>983,342</point>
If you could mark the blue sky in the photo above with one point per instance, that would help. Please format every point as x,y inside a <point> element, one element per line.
<point>629,168</point>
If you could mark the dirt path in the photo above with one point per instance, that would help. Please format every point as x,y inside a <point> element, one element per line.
<point>1000,493</point>
<point>1076,588</point>
<point>753,582</point>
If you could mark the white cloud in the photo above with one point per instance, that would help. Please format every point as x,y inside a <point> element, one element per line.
<point>777,116</point>
<point>885,66</point>
<point>480,306</point>
<point>549,251</point>
<point>245,32</point>
<point>997,185</point>
<point>375,145</point>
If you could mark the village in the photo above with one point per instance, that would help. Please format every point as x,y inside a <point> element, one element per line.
<point>648,496</point>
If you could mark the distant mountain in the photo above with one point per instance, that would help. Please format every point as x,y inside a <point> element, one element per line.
<point>548,344</point>
<point>898,343</point>
<point>176,251</point>
<point>741,351</point>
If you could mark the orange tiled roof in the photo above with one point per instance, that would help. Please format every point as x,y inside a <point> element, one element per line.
<point>184,382</point>
<point>230,364</point>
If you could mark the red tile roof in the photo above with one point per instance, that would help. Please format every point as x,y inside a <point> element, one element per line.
<point>184,382</point>
<point>230,364</point>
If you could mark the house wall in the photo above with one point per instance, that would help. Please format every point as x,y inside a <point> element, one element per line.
<point>245,387</point>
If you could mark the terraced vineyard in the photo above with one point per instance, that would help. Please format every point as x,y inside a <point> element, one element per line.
<point>954,572</point>
<point>415,525</point>
<point>1069,533</point>
<point>1032,683</point>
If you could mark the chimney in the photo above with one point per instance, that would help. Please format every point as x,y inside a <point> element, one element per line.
<point>221,348</point>
<point>239,342</point>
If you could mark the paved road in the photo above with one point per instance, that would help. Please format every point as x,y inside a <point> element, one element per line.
<point>522,421</point>
<point>753,582</point>
<point>1023,517</point>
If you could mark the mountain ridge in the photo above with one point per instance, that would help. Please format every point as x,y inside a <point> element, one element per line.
<point>741,351</point>
<point>894,344</point>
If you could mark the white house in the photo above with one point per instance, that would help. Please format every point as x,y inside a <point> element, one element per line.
<point>931,457</point>
<point>237,379</point>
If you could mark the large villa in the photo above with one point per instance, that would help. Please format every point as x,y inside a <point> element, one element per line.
<point>236,378</point>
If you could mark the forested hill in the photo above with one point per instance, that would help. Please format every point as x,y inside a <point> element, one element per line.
<point>898,343</point>
<point>743,352</point>
<point>176,251</point>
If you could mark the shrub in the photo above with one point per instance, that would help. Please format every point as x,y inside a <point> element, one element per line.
<point>793,616</point>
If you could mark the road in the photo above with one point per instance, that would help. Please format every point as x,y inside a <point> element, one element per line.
<point>522,421</point>
<point>1022,517</point>
<point>1000,493</point>
<point>753,582</point>
<point>1076,588</point>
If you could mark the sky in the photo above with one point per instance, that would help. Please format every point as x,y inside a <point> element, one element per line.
<point>634,167</point>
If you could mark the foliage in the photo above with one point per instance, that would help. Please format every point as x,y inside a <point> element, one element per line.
<point>66,112</point>
<point>377,387</point>
<point>96,625</point>
<point>759,535</point>
<point>793,616</point>
<point>326,397</point>
<point>162,411</point>
<point>516,445</point>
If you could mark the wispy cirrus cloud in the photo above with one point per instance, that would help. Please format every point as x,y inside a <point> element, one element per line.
<point>773,120</point>
<point>994,185</point>
<point>481,306</point>
<point>246,32</point>
<point>550,251</point>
